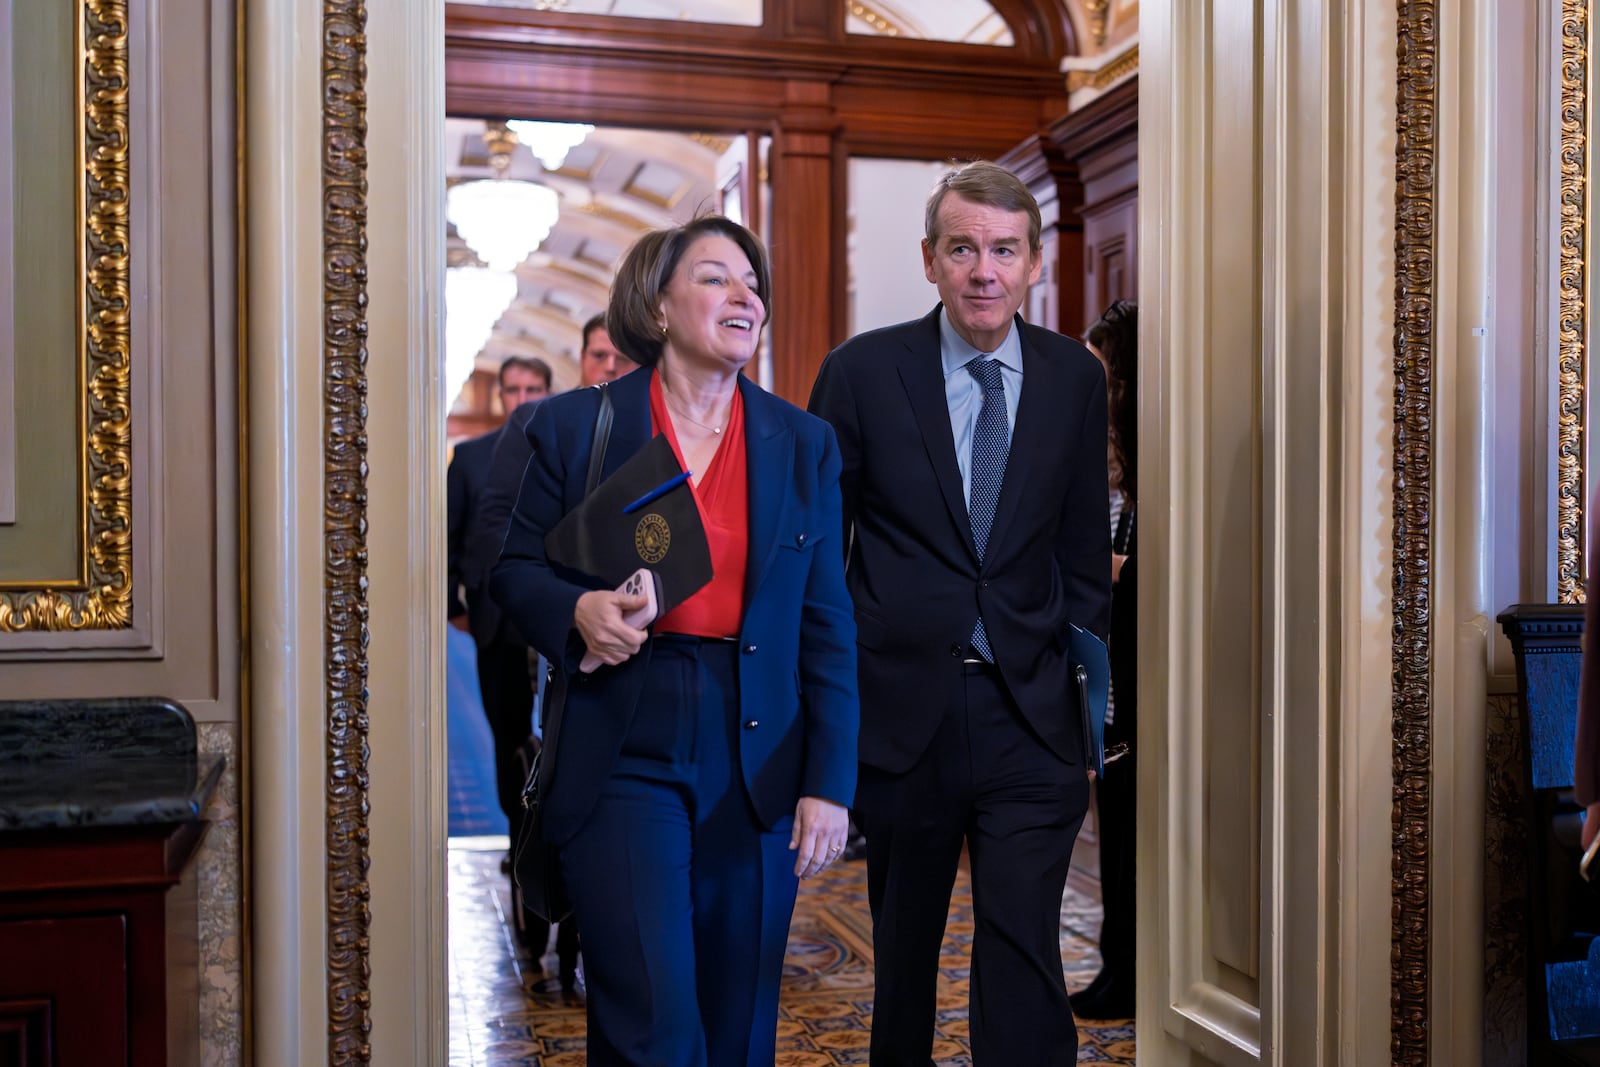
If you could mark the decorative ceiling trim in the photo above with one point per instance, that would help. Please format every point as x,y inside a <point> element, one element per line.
<point>602,211</point>
<point>1095,12</point>
<point>344,390</point>
<point>1125,64</point>
<point>876,19</point>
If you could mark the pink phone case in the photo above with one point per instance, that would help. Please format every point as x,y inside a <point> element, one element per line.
<point>640,581</point>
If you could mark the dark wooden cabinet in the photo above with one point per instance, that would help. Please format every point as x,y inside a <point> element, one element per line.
<point>84,920</point>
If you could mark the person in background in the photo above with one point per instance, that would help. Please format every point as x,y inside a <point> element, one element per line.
<point>503,685</point>
<point>484,538</point>
<point>1114,338</point>
<point>599,360</point>
<point>707,765</point>
<point>520,380</point>
<point>974,489</point>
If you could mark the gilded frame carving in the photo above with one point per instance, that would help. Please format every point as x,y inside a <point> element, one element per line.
<point>344,390</point>
<point>100,596</point>
<point>1415,178</point>
<point>1572,296</point>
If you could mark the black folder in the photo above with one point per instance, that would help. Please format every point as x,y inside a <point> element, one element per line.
<point>1092,666</point>
<point>601,539</point>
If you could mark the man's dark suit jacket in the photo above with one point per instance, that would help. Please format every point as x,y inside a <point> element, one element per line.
<point>486,529</point>
<point>464,481</point>
<point>913,567</point>
<point>797,667</point>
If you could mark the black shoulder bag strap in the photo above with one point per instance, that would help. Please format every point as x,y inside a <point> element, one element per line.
<point>556,684</point>
<point>602,438</point>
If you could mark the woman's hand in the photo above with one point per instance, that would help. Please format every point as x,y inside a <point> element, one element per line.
<point>1591,824</point>
<point>598,617</point>
<point>1116,567</point>
<point>820,827</point>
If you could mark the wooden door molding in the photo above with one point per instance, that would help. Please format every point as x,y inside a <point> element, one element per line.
<point>917,99</point>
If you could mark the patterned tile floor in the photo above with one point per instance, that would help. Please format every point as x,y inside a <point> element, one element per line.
<point>502,1015</point>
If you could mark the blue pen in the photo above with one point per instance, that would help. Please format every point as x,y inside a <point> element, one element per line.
<point>658,492</point>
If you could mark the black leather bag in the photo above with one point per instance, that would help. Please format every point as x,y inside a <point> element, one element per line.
<point>536,862</point>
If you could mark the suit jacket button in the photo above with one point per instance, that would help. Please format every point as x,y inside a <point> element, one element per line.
<point>752,724</point>
<point>749,650</point>
<point>956,650</point>
<point>800,539</point>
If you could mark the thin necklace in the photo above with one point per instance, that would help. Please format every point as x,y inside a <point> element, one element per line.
<point>677,411</point>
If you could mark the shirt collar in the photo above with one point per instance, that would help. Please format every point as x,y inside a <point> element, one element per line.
<point>955,352</point>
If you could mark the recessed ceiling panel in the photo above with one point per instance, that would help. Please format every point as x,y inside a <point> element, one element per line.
<point>965,21</point>
<point>722,12</point>
<point>657,183</point>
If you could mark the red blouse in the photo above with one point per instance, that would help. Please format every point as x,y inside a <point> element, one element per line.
<point>722,493</point>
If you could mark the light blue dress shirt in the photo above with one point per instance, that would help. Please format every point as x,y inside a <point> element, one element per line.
<point>963,393</point>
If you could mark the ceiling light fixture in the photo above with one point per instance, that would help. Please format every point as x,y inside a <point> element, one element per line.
<point>474,300</point>
<point>550,141</point>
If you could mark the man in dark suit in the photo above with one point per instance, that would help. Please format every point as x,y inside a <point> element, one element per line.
<point>487,533</point>
<point>502,657</point>
<point>975,489</point>
<point>520,380</point>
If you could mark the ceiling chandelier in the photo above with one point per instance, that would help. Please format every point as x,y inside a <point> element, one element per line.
<point>503,220</point>
<point>550,141</point>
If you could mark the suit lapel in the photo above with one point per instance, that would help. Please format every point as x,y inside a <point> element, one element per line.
<point>769,461</point>
<point>922,374</point>
<point>1034,436</point>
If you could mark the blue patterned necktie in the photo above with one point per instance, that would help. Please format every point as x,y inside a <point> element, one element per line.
<point>991,442</point>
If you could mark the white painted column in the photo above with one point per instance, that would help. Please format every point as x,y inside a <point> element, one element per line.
<point>283,413</point>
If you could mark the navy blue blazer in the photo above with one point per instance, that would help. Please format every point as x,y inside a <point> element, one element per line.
<point>914,570</point>
<point>797,667</point>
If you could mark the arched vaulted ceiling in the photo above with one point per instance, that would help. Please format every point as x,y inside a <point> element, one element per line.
<point>613,186</point>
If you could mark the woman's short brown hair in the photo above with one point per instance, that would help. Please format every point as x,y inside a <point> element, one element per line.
<point>633,317</point>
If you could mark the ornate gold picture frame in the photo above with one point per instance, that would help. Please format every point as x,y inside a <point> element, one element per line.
<point>100,595</point>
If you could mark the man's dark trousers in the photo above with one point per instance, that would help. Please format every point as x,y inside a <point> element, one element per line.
<point>987,781</point>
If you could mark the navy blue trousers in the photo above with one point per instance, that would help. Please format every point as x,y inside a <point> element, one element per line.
<point>682,898</point>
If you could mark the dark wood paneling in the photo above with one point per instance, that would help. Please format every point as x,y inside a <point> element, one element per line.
<point>1056,301</point>
<point>807,223</point>
<point>64,990</point>
<point>86,913</point>
<point>25,1028</point>
<point>1101,144</point>
<point>1111,248</point>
